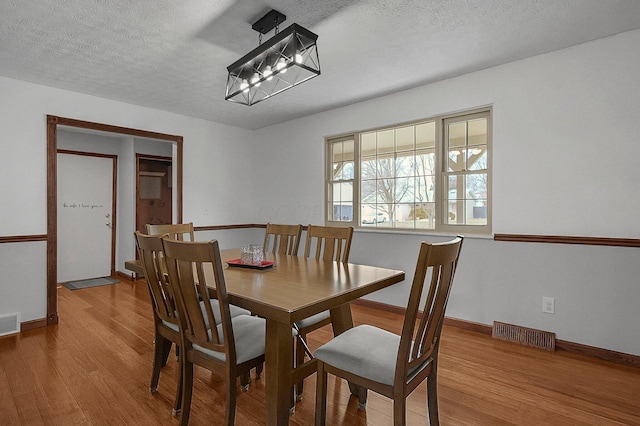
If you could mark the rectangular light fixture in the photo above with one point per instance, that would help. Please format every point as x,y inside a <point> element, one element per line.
<point>287,59</point>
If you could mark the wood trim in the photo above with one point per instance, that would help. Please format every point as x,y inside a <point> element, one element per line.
<point>469,325</point>
<point>379,306</point>
<point>52,183</point>
<point>85,153</point>
<point>236,226</point>
<point>52,220</point>
<point>605,354</point>
<point>72,122</point>
<point>22,238</point>
<point>178,165</point>
<point>224,227</point>
<point>559,239</point>
<point>29,325</point>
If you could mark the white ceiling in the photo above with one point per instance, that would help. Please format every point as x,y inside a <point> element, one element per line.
<point>172,55</point>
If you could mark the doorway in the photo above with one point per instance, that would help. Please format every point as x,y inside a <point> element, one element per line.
<point>53,122</point>
<point>86,215</point>
<point>153,191</point>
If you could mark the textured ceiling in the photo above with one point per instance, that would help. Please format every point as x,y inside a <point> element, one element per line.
<point>172,55</point>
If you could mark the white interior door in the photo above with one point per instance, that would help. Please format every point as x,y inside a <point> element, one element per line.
<point>85,199</point>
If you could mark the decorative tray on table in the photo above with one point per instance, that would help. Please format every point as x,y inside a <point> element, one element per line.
<point>237,263</point>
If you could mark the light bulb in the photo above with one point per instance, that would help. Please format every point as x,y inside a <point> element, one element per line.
<point>298,58</point>
<point>255,80</point>
<point>281,65</point>
<point>244,86</point>
<point>268,74</point>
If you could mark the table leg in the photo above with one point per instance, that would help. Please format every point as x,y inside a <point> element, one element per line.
<point>278,364</point>
<point>341,321</point>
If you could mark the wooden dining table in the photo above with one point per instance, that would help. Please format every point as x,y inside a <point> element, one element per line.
<point>293,289</point>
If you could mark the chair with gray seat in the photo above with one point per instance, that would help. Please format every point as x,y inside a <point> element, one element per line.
<point>233,347</point>
<point>373,358</point>
<point>165,313</point>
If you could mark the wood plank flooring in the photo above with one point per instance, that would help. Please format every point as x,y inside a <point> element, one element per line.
<point>94,368</point>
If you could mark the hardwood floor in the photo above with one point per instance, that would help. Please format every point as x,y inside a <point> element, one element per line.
<point>94,369</point>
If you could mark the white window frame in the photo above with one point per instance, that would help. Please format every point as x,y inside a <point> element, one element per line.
<point>441,173</point>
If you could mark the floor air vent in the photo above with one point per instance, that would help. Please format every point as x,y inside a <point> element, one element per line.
<point>9,324</point>
<point>524,336</point>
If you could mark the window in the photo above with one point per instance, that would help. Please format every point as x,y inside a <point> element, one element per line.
<point>428,175</point>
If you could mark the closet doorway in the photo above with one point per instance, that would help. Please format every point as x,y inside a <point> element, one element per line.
<point>153,191</point>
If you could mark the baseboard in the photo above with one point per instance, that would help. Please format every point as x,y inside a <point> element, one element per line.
<point>469,325</point>
<point>577,348</point>
<point>604,354</point>
<point>36,323</point>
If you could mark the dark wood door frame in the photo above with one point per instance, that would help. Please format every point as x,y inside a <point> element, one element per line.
<point>52,192</point>
<point>151,158</point>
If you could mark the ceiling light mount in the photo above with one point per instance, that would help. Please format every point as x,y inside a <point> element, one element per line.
<point>287,59</point>
<point>271,20</point>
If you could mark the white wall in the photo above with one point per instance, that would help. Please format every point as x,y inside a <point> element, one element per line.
<point>565,155</point>
<point>211,153</point>
<point>565,152</point>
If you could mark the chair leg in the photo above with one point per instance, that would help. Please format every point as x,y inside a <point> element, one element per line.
<point>177,406</point>
<point>299,361</point>
<point>362,398</point>
<point>432,397</point>
<point>399,412</point>
<point>161,349</point>
<point>321,395</point>
<point>187,390</point>
<point>230,414</point>
<point>166,351</point>
<point>259,370</point>
<point>245,379</point>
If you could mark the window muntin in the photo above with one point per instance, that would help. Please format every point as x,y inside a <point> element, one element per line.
<point>391,177</point>
<point>466,170</point>
<point>340,191</point>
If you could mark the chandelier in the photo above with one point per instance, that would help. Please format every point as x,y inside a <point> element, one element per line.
<point>287,59</point>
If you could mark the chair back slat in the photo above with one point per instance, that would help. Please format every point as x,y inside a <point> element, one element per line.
<point>282,239</point>
<point>187,263</point>
<point>420,339</point>
<point>331,242</point>
<point>150,252</point>
<point>176,231</point>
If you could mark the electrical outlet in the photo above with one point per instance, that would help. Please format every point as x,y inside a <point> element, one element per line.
<point>548,305</point>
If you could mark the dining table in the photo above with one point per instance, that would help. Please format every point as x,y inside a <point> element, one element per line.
<point>291,289</point>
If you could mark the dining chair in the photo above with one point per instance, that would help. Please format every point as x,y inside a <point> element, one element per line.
<point>165,316</point>
<point>329,243</point>
<point>176,231</point>
<point>282,239</point>
<point>165,313</point>
<point>185,232</point>
<point>234,346</point>
<point>372,358</point>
